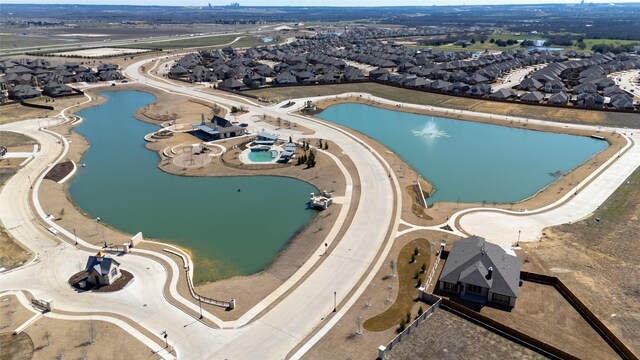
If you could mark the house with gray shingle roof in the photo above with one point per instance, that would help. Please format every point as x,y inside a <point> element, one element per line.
<point>102,269</point>
<point>481,272</point>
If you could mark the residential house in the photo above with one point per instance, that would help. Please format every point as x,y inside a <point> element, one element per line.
<point>479,271</point>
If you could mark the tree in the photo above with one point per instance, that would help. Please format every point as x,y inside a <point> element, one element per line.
<point>319,143</point>
<point>416,251</point>
<point>423,268</point>
<point>326,145</point>
<point>408,319</point>
<point>581,45</point>
<point>419,282</point>
<point>290,139</point>
<point>413,259</point>
<point>311,160</point>
<point>492,40</point>
<point>402,325</point>
<point>420,311</point>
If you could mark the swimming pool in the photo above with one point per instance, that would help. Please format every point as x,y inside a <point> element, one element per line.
<point>261,156</point>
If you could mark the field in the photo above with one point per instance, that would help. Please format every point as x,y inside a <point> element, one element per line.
<point>453,102</point>
<point>598,260</point>
<point>201,41</point>
<point>101,52</point>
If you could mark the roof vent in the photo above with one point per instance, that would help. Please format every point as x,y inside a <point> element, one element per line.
<point>490,272</point>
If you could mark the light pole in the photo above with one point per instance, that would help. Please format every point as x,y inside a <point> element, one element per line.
<point>518,242</point>
<point>326,248</point>
<point>200,303</point>
<point>165,335</point>
<point>75,237</point>
<point>334,302</point>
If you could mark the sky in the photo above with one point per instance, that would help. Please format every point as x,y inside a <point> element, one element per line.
<point>305,2</point>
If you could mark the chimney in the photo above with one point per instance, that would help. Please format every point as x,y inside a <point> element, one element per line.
<point>490,270</point>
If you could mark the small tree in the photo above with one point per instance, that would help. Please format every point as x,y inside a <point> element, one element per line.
<point>423,268</point>
<point>416,251</point>
<point>408,318</point>
<point>320,144</point>
<point>420,311</point>
<point>413,259</point>
<point>416,274</point>
<point>402,325</point>
<point>419,282</point>
<point>326,145</point>
<point>290,139</point>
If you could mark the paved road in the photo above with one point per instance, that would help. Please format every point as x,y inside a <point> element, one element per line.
<point>274,334</point>
<point>627,81</point>
<point>514,78</point>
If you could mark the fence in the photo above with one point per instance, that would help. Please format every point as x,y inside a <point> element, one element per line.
<point>37,106</point>
<point>435,300</point>
<point>203,299</point>
<point>616,344</point>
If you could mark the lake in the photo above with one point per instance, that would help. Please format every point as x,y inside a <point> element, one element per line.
<point>469,161</point>
<point>232,225</point>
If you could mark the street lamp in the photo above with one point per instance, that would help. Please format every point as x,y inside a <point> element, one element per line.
<point>200,303</point>
<point>75,237</point>
<point>30,185</point>
<point>334,302</point>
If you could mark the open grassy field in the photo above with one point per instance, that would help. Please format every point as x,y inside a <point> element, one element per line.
<point>200,42</point>
<point>453,102</point>
<point>598,260</point>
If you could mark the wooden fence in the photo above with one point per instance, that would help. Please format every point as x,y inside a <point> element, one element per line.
<point>616,344</point>
<point>435,303</point>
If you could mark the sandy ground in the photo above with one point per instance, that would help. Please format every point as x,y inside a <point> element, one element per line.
<point>12,254</point>
<point>53,338</point>
<point>537,313</point>
<point>599,261</point>
<point>101,52</point>
<point>17,112</point>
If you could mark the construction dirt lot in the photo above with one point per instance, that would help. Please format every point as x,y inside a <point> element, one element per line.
<point>599,260</point>
<point>49,338</point>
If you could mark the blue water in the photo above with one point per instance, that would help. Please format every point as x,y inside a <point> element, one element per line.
<point>267,39</point>
<point>123,186</point>
<point>260,156</point>
<point>472,162</point>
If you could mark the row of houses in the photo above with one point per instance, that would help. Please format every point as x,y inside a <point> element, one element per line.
<point>583,82</point>
<point>28,78</point>
<point>329,59</point>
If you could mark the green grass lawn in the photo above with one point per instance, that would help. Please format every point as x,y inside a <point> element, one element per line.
<point>407,291</point>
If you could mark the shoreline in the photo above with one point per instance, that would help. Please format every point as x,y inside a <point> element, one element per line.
<point>533,201</point>
<point>297,236</point>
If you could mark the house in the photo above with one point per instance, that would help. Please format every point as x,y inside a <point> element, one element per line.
<point>56,89</point>
<point>102,269</point>
<point>481,272</point>
<point>530,84</point>
<point>503,94</point>
<point>532,97</point>
<point>21,92</point>
<point>265,138</point>
<point>559,98</point>
<point>218,128</point>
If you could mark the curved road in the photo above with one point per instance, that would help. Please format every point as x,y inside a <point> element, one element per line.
<point>271,336</point>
